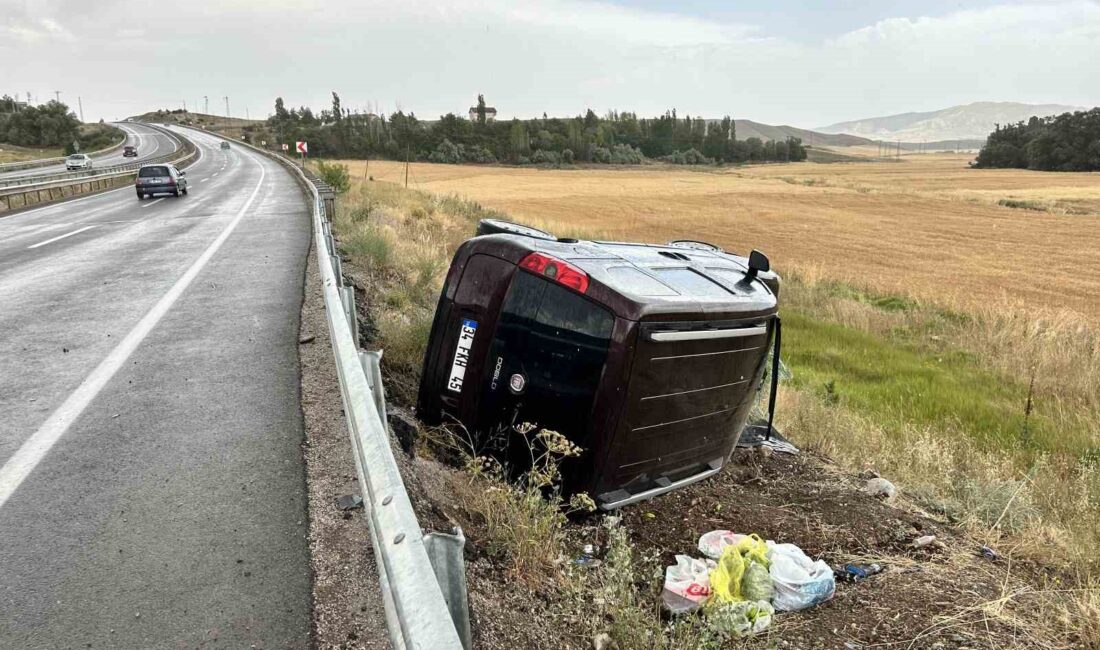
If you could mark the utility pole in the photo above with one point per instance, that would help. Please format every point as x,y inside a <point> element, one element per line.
<point>406,166</point>
<point>246,113</point>
<point>185,106</point>
<point>81,105</point>
<point>227,110</point>
<point>206,109</point>
<point>57,95</point>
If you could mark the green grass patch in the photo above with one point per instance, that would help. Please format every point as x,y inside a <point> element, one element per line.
<point>899,384</point>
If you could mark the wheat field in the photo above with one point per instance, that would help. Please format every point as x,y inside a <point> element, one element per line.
<point>926,226</point>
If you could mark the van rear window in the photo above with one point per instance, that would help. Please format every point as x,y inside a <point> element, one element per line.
<point>149,172</point>
<point>558,341</point>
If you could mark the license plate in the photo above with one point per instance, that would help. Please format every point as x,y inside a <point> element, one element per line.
<point>462,354</point>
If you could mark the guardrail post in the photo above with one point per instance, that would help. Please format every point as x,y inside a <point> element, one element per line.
<point>445,554</point>
<point>348,298</point>
<point>371,361</point>
<point>338,268</point>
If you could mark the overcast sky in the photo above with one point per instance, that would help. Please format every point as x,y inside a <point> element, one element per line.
<point>801,63</point>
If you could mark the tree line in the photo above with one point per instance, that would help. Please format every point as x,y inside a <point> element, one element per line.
<point>1066,142</point>
<point>614,138</point>
<point>49,125</point>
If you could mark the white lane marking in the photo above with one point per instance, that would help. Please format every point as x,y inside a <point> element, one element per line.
<point>68,234</point>
<point>153,201</point>
<point>35,448</point>
<point>216,173</point>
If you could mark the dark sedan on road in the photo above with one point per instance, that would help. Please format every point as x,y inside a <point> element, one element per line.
<point>129,151</point>
<point>160,179</point>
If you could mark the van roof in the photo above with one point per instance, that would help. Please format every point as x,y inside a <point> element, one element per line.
<point>661,280</point>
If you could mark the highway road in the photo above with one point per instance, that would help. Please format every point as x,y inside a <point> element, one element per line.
<point>150,143</point>
<point>152,489</point>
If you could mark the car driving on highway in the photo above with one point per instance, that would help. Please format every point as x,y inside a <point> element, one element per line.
<point>160,179</point>
<point>78,161</point>
<point>225,145</point>
<point>129,151</point>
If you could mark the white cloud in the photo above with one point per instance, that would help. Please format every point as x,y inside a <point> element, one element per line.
<point>557,56</point>
<point>35,31</point>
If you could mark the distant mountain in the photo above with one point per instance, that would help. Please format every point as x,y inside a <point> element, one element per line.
<point>970,121</point>
<point>748,129</point>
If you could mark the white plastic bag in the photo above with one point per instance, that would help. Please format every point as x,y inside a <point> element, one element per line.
<point>713,543</point>
<point>799,581</point>
<point>687,584</point>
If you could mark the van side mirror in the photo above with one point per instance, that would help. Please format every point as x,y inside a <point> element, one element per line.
<point>758,262</point>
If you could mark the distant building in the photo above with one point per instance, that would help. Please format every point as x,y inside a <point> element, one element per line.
<point>490,114</point>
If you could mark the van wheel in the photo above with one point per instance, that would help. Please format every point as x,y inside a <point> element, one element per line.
<point>176,193</point>
<point>500,227</point>
<point>185,191</point>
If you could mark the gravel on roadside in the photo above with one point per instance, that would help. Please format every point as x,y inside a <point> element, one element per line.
<point>347,602</point>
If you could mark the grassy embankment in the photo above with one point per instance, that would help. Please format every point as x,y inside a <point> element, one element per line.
<point>986,417</point>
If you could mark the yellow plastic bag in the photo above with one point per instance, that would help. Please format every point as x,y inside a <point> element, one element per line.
<point>725,579</point>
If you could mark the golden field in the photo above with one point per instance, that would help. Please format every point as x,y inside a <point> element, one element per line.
<point>926,226</point>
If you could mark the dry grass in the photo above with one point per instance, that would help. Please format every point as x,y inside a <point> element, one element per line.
<point>913,254</point>
<point>927,226</point>
<point>14,153</point>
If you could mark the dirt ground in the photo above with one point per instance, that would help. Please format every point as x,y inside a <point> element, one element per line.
<point>928,226</point>
<point>941,597</point>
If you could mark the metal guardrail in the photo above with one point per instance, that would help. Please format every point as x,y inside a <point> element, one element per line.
<point>31,179</point>
<point>43,162</point>
<point>93,180</point>
<point>422,576</point>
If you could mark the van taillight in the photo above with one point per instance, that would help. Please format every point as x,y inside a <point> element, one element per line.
<point>557,270</point>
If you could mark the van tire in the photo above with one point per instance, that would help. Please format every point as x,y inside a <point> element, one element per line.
<point>500,227</point>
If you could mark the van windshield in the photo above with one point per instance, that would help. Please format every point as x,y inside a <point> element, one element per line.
<point>149,172</point>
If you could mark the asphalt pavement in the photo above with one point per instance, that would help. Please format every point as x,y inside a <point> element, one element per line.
<point>150,143</point>
<point>151,478</point>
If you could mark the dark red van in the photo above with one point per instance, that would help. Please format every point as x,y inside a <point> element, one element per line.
<point>647,357</point>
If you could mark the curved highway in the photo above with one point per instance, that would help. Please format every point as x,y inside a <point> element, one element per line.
<point>149,141</point>
<point>152,489</point>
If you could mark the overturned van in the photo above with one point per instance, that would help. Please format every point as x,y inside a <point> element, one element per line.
<point>647,357</point>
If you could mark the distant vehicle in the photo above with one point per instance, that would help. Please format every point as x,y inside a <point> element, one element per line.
<point>225,145</point>
<point>78,161</point>
<point>129,151</point>
<point>160,179</point>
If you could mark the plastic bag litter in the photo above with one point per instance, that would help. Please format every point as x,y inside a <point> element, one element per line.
<point>799,581</point>
<point>741,618</point>
<point>727,579</point>
<point>713,543</point>
<point>687,584</point>
<point>756,584</point>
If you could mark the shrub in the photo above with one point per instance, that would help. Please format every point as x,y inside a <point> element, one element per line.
<point>544,157</point>
<point>690,157</point>
<point>477,154</point>
<point>447,152</point>
<point>335,175</point>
